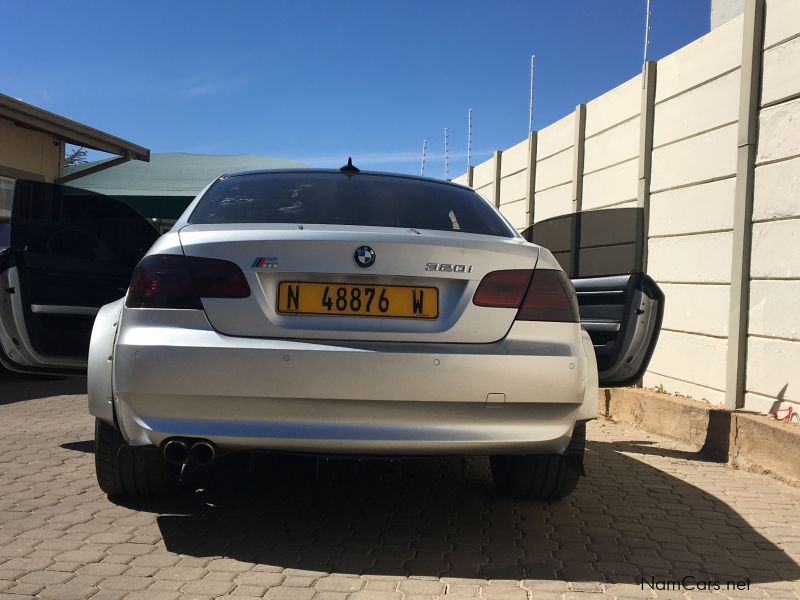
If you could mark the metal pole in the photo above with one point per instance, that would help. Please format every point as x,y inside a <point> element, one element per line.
<point>422,166</point>
<point>446,157</point>
<point>646,33</point>
<point>469,138</point>
<point>530,108</point>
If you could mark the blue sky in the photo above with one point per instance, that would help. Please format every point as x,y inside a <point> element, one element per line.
<point>318,81</point>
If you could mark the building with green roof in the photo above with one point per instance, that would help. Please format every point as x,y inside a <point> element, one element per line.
<point>162,188</point>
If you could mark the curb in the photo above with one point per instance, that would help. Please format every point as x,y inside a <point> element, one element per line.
<point>743,440</point>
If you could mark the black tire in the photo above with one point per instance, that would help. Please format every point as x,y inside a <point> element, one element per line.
<point>545,477</point>
<point>123,470</point>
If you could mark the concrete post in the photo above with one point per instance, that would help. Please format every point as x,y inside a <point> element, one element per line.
<point>61,151</point>
<point>749,92</point>
<point>531,188</point>
<point>577,163</point>
<point>646,121</point>
<point>498,158</point>
<point>578,147</point>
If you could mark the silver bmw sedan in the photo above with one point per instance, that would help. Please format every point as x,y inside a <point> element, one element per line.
<point>346,312</point>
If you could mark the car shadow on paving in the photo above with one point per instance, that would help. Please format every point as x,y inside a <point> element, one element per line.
<point>15,387</point>
<point>626,520</point>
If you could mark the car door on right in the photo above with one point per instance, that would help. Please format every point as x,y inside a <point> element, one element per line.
<point>621,307</point>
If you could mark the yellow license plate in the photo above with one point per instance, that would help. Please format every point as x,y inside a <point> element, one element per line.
<point>398,301</point>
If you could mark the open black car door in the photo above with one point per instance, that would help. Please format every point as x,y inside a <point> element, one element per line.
<point>621,307</point>
<point>71,251</point>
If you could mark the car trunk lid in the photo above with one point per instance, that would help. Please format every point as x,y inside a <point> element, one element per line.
<point>452,263</point>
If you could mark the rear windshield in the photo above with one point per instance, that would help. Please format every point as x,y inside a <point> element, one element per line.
<point>338,199</point>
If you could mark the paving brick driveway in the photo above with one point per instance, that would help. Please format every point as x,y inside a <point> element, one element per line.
<point>377,531</point>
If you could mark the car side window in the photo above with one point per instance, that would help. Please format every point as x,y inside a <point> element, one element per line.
<point>71,223</point>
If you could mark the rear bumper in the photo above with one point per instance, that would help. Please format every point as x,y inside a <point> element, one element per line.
<point>522,394</point>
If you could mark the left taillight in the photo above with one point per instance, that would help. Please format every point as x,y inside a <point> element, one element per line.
<point>177,281</point>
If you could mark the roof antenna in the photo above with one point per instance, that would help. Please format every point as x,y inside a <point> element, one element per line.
<point>469,138</point>
<point>446,157</point>
<point>350,167</point>
<point>647,28</point>
<point>530,105</point>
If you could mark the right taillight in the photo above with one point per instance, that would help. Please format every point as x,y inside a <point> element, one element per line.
<point>502,289</point>
<point>551,297</point>
<point>546,296</point>
<point>177,281</point>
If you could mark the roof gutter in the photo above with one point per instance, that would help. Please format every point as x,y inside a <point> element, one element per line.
<point>28,116</point>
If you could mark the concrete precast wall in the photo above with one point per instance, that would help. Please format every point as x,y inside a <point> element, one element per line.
<point>694,168</point>
<point>672,142</point>
<point>611,147</point>
<point>772,376</point>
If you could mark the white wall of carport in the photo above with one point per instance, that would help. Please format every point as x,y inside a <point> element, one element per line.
<point>773,354</point>
<point>691,210</point>
<point>611,147</point>
<point>692,187</point>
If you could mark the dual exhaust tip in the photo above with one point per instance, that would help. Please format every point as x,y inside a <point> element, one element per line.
<point>178,452</point>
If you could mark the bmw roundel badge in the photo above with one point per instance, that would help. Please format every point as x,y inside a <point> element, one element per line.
<point>364,256</point>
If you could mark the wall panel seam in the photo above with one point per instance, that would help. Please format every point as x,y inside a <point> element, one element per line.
<point>689,282</point>
<point>689,233</point>
<point>773,161</point>
<point>507,175</point>
<point>611,166</point>
<point>713,336</point>
<point>761,336</point>
<point>761,278</point>
<point>698,85</point>
<point>694,135</point>
<point>567,182</point>
<point>694,183</point>
<point>791,38</point>
<point>514,201</point>
<point>601,206</point>
<point>556,153</point>
<point>777,219</point>
<point>691,285</point>
<point>768,397</point>
<point>702,385</point>
<point>610,127</point>
<point>779,101</point>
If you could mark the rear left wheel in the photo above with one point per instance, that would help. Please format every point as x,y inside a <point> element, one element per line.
<point>124,470</point>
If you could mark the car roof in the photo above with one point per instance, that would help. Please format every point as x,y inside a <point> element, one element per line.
<point>347,174</point>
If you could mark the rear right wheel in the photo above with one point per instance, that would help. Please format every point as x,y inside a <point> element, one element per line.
<point>124,470</point>
<point>541,476</point>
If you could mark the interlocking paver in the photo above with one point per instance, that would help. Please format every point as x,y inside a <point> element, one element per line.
<point>336,583</point>
<point>267,580</point>
<point>364,531</point>
<point>124,583</point>
<point>209,587</point>
<point>290,593</point>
